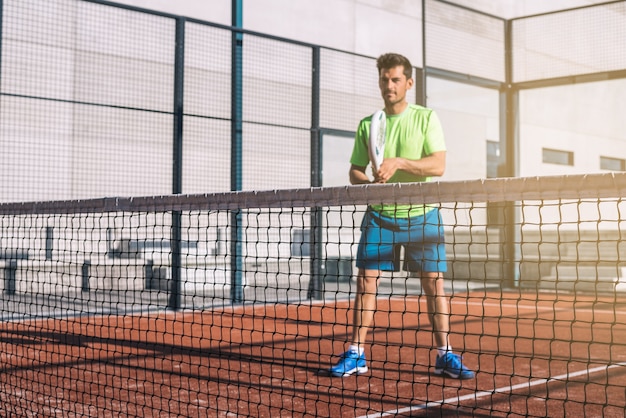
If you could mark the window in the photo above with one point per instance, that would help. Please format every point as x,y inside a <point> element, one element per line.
<point>555,156</point>
<point>493,158</point>
<point>613,164</point>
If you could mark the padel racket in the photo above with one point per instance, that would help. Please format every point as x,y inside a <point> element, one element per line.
<point>377,138</point>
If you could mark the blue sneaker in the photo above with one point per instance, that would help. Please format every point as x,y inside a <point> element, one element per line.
<point>349,363</point>
<point>451,365</point>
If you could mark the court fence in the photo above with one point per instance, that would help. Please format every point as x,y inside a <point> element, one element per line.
<point>190,106</point>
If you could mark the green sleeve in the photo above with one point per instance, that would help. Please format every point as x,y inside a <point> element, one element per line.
<point>360,154</point>
<point>434,138</point>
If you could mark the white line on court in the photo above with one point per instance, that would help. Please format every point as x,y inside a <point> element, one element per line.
<point>504,389</point>
<point>540,308</point>
<point>526,307</point>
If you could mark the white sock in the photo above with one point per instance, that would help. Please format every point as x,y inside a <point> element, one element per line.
<point>443,350</point>
<point>357,349</point>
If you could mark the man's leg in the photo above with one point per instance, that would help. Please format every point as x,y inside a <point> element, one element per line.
<point>364,305</point>
<point>353,360</point>
<point>438,307</point>
<point>376,252</point>
<point>439,314</point>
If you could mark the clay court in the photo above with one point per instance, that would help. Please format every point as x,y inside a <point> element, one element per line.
<point>536,355</point>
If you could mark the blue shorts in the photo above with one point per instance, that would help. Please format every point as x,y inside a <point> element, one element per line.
<point>421,236</point>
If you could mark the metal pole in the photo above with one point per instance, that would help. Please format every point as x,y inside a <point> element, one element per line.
<point>177,180</point>
<point>509,146</point>
<point>1,37</point>
<point>236,260</point>
<point>420,91</point>
<point>315,281</point>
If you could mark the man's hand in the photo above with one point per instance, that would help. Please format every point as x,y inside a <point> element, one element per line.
<point>431,165</point>
<point>387,169</point>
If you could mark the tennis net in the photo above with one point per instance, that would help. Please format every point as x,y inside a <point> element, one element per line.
<point>237,302</point>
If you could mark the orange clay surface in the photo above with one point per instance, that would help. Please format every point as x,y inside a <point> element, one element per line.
<point>534,354</point>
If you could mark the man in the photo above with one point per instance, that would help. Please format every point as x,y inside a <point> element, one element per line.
<point>414,151</point>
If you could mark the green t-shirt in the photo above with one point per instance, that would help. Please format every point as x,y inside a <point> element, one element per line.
<point>413,134</point>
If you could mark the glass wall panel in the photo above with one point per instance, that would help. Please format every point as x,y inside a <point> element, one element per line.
<point>581,118</point>
<point>469,115</point>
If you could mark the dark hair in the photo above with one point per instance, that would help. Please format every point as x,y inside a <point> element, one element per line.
<point>391,60</point>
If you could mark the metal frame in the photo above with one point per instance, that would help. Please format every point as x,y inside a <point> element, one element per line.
<point>509,138</point>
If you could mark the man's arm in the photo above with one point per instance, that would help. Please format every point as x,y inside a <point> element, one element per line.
<point>358,175</point>
<point>431,165</point>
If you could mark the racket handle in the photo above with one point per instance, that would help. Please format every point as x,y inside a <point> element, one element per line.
<point>377,138</point>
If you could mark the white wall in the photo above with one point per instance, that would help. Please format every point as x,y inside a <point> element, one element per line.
<point>216,11</point>
<point>510,9</point>
<point>368,27</point>
<point>582,118</point>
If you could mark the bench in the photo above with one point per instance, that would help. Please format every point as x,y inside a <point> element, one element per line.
<point>11,256</point>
